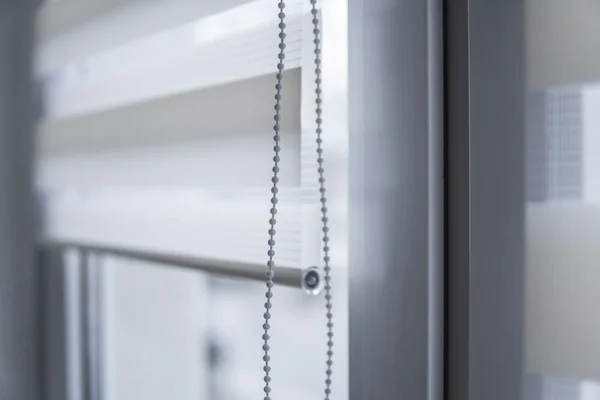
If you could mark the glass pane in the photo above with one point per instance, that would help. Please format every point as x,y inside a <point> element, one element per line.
<point>533,202</point>
<point>562,318</point>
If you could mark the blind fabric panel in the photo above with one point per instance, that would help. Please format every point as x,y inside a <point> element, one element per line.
<point>157,128</point>
<point>187,223</point>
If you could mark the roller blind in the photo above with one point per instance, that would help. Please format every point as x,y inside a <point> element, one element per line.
<point>156,136</point>
<point>157,121</point>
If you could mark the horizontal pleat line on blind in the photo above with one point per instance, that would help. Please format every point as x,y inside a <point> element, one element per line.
<point>221,230</point>
<point>91,89</point>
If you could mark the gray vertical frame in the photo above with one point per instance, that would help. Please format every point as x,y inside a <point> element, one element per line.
<point>485,72</point>
<point>20,360</point>
<point>91,322</point>
<point>456,43</point>
<point>396,199</point>
<point>54,322</point>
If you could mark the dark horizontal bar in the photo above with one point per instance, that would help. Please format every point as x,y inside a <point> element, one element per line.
<point>285,276</point>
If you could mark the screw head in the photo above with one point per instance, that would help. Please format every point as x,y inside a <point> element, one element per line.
<point>311,281</point>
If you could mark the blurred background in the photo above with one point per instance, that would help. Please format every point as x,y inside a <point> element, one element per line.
<point>153,123</point>
<point>562,228</point>
<point>155,133</point>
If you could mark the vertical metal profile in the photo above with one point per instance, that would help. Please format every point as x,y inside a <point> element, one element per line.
<point>396,199</point>
<point>53,301</point>
<point>85,320</point>
<point>20,350</point>
<point>457,231</point>
<point>91,323</point>
<point>485,198</point>
<point>435,198</point>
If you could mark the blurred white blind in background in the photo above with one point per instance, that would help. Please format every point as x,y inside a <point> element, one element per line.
<point>134,101</point>
<point>156,134</point>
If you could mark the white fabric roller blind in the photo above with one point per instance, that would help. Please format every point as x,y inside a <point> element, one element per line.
<point>156,135</point>
<point>144,101</point>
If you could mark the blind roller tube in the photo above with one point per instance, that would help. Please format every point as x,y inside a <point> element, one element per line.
<point>285,276</point>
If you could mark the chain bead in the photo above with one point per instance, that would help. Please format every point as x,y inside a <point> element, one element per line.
<point>274,200</point>
<point>323,199</point>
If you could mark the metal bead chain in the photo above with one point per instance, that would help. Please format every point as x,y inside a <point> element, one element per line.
<point>322,190</point>
<point>274,200</point>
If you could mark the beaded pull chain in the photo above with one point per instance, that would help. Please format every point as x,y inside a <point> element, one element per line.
<point>274,200</point>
